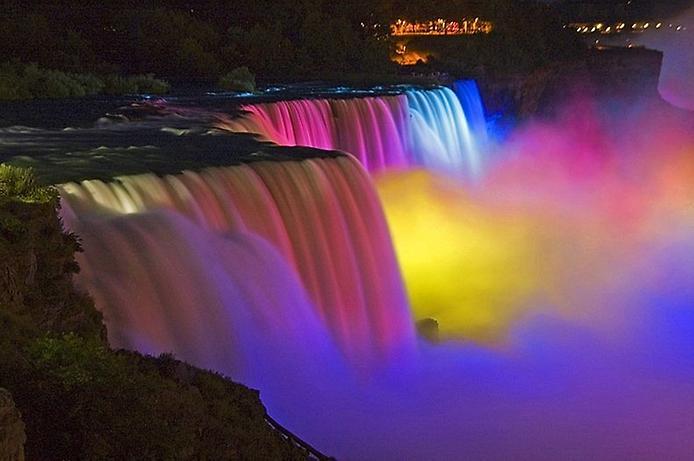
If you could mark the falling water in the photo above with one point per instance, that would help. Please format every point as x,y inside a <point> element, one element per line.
<point>468,94</point>
<point>427,128</point>
<point>321,215</point>
<point>228,303</point>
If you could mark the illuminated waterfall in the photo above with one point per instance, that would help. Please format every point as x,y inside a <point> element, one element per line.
<point>427,128</point>
<point>468,94</point>
<point>200,248</point>
<point>175,258</point>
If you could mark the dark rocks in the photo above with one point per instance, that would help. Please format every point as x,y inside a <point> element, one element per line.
<point>604,74</point>
<point>428,329</point>
<point>12,436</point>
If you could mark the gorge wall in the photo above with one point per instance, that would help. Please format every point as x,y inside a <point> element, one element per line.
<point>604,74</point>
<point>12,436</point>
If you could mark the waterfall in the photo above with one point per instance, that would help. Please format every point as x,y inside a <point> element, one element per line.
<point>429,128</point>
<point>468,94</point>
<point>228,303</point>
<point>178,259</point>
<point>220,264</point>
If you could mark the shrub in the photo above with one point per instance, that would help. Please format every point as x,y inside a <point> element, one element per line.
<point>78,398</point>
<point>116,85</point>
<point>9,83</point>
<point>148,84</point>
<point>49,84</point>
<point>19,82</point>
<point>91,84</point>
<point>239,79</point>
<point>20,184</point>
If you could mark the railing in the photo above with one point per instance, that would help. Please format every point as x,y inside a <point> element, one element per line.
<point>310,451</point>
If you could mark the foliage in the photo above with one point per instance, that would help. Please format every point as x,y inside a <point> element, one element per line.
<point>90,83</point>
<point>148,84</point>
<point>115,85</point>
<point>239,79</point>
<point>20,183</point>
<point>81,400</point>
<point>205,41</point>
<point>70,361</point>
<point>18,81</point>
<point>37,259</point>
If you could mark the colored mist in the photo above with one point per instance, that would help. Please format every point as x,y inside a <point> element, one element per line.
<point>561,218</point>
<point>429,128</point>
<point>565,272</point>
<point>560,278</point>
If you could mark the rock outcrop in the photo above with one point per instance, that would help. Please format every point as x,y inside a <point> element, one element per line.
<point>12,436</point>
<point>627,74</point>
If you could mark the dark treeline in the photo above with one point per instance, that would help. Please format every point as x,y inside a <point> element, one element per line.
<point>302,39</point>
<point>201,39</point>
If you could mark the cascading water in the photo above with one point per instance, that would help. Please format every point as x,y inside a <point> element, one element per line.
<point>427,128</point>
<point>440,134</point>
<point>468,94</point>
<point>321,215</point>
<point>228,303</point>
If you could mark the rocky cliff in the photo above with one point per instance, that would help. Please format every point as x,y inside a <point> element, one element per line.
<point>604,74</point>
<point>12,436</point>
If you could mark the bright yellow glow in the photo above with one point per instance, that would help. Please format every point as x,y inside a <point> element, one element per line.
<point>479,263</point>
<point>464,265</point>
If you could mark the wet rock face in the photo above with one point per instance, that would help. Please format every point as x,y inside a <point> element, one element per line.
<point>12,436</point>
<point>625,71</point>
<point>622,74</point>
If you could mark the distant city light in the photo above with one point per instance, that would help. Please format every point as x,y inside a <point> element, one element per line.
<point>619,27</point>
<point>472,26</point>
<point>441,26</point>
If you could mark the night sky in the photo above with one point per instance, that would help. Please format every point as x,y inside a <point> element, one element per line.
<point>646,7</point>
<point>639,8</point>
